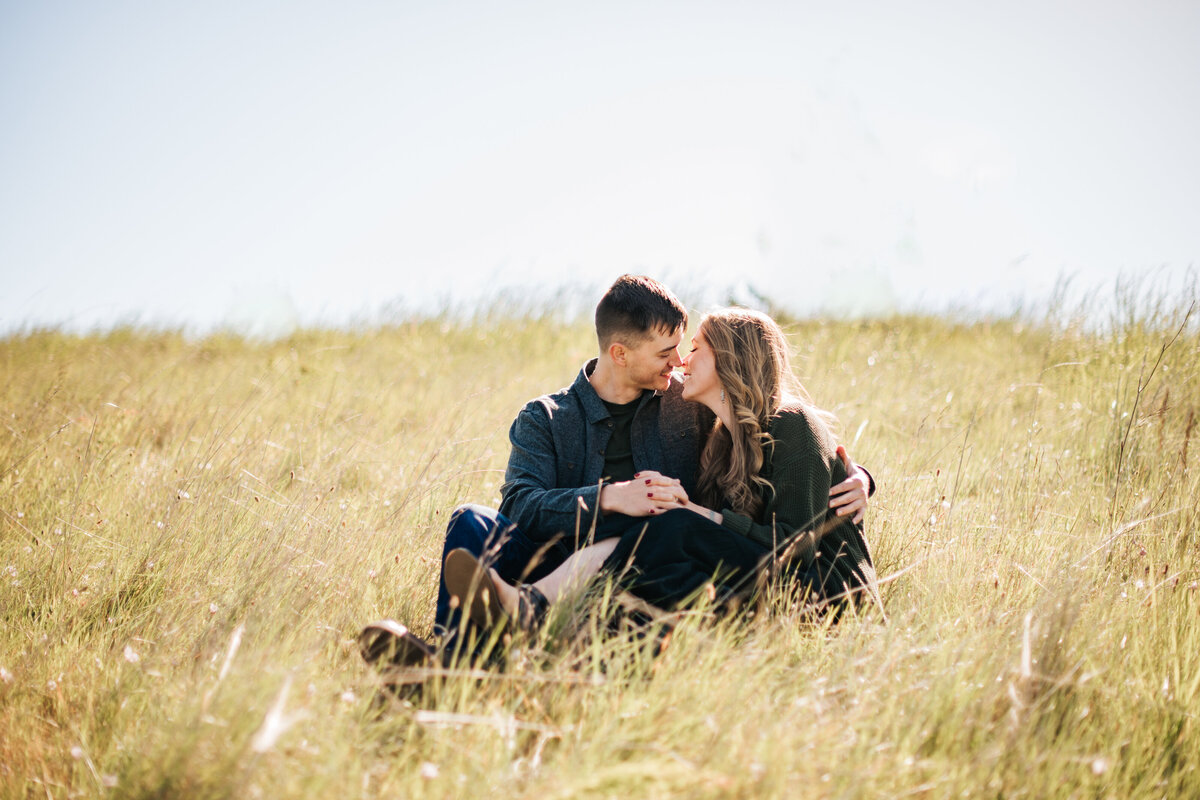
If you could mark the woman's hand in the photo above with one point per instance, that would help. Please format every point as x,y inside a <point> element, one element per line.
<point>649,493</point>
<point>850,496</point>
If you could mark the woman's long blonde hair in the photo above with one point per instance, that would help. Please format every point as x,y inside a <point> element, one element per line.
<point>755,370</point>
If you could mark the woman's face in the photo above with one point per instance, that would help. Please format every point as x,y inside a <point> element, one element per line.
<point>700,382</point>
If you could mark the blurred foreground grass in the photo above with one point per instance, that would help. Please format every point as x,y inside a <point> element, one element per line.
<point>192,533</point>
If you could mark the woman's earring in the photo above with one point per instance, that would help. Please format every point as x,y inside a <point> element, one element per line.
<point>722,397</point>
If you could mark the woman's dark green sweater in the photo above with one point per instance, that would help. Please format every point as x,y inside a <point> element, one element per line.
<point>801,464</point>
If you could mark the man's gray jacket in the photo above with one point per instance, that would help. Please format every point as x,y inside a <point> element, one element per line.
<point>552,484</point>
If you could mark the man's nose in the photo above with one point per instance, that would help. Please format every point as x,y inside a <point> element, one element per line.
<point>676,361</point>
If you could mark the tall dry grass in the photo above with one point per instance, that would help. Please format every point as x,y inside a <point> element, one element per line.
<point>193,533</point>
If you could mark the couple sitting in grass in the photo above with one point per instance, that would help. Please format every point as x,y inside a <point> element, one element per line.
<point>674,488</point>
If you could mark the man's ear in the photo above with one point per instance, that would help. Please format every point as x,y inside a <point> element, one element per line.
<point>616,351</point>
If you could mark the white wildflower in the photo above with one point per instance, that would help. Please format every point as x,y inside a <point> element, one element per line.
<point>429,770</point>
<point>131,656</point>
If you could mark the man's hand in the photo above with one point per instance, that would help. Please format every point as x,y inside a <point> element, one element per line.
<point>649,493</point>
<point>850,496</point>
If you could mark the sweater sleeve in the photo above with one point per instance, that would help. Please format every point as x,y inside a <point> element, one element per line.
<point>803,469</point>
<point>530,496</point>
<point>870,480</point>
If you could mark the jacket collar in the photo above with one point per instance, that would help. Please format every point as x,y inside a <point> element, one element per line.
<point>593,406</point>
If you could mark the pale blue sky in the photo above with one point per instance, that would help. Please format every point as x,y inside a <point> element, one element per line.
<point>261,163</point>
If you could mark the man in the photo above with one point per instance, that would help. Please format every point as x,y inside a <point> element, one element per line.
<point>619,443</point>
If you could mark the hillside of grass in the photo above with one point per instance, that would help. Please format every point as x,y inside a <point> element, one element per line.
<point>193,532</point>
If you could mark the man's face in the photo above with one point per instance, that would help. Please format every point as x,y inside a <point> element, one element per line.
<point>648,364</point>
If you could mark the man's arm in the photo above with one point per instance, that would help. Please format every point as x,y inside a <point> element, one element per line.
<point>530,496</point>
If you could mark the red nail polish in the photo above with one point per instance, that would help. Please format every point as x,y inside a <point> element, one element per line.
<point>649,494</point>
<point>647,481</point>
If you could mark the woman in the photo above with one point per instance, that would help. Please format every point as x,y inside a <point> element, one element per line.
<point>761,504</point>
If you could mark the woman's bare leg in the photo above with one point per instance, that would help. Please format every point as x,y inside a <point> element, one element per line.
<point>571,575</point>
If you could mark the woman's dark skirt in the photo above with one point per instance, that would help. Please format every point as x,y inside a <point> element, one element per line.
<point>668,560</point>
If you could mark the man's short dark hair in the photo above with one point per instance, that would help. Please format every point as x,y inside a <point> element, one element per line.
<point>635,307</point>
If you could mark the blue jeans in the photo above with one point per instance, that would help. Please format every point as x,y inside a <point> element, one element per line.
<point>498,543</point>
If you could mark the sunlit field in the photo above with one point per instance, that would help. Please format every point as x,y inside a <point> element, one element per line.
<point>192,534</point>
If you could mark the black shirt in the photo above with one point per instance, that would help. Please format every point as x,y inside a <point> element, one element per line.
<point>618,455</point>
